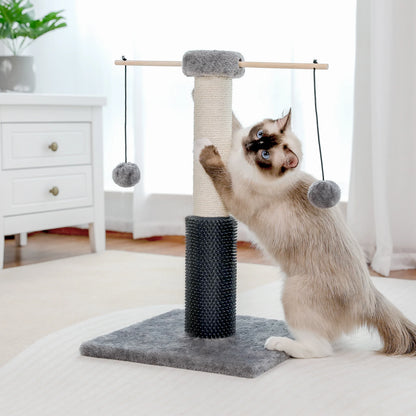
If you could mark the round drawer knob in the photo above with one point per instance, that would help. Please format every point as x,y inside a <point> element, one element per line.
<point>53,146</point>
<point>54,191</point>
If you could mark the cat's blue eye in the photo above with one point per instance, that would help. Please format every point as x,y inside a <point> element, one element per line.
<point>265,155</point>
<point>260,134</point>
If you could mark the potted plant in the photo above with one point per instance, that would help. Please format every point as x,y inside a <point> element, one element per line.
<point>18,29</point>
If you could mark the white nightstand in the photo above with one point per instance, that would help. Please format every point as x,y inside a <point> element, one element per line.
<point>51,165</point>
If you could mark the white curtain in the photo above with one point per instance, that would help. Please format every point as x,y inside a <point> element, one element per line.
<point>382,199</point>
<point>279,30</point>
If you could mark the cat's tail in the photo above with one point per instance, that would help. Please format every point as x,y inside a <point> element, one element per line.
<point>396,331</point>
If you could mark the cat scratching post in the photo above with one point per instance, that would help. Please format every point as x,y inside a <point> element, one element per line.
<point>184,339</point>
<point>211,234</point>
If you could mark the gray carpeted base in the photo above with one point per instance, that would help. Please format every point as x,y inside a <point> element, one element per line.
<point>162,341</point>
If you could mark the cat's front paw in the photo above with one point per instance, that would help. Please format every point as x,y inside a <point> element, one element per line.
<point>209,157</point>
<point>277,344</point>
<point>199,145</point>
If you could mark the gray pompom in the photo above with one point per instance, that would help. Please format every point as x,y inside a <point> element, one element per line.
<point>324,194</point>
<point>126,174</point>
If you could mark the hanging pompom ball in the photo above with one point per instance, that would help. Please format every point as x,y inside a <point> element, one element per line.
<point>126,174</point>
<point>324,194</point>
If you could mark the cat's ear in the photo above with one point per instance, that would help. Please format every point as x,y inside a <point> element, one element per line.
<point>236,124</point>
<point>283,123</point>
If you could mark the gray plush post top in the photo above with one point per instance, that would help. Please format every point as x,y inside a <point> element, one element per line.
<point>212,63</point>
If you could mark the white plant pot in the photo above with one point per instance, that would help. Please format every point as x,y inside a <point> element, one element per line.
<point>17,73</point>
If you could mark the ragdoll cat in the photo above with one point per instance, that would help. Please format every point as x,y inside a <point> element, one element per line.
<point>328,291</point>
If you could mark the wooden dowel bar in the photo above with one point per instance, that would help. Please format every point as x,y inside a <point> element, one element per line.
<point>244,64</point>
<point>282,65</point>
<point>149,63</point>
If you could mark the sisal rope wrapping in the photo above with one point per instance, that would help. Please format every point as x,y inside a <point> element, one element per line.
<point>213,121</point>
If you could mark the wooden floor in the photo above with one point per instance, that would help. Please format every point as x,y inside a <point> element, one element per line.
<point>56,244</point>
<point>64,242</point>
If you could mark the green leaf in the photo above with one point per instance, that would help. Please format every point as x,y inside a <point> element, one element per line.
<point>17,21</point>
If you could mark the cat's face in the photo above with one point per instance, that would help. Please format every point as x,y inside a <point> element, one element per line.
<point>270,147</point>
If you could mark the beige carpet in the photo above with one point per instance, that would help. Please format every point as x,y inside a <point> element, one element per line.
<point>39,299</point>
<point>50,377</point>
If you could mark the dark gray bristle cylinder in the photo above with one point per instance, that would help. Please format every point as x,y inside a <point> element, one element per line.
<point>211,274</point>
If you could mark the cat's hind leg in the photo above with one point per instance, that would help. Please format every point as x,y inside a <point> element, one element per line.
<point>305,345</point>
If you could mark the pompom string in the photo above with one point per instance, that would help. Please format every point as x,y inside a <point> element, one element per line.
<point>322,194</point>
<point>125,109</point>
<point>126,174</point>
<point>317,123</point>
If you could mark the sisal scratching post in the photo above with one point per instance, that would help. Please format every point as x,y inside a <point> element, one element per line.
<point>213,72</point>
<point>213,121</point>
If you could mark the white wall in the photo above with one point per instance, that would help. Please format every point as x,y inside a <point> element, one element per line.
<point>119,211</point>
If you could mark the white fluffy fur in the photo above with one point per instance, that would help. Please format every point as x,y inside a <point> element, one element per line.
<point>306,345</point>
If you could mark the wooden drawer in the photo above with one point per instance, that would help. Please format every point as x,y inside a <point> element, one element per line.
<point>29,190</point>
<point>29,145</point>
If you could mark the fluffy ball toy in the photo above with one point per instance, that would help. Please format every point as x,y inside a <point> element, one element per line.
<point>324,194</point>
<point>126,174</point>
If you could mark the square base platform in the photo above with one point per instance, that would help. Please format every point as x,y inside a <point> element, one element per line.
<point>161,340</point>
